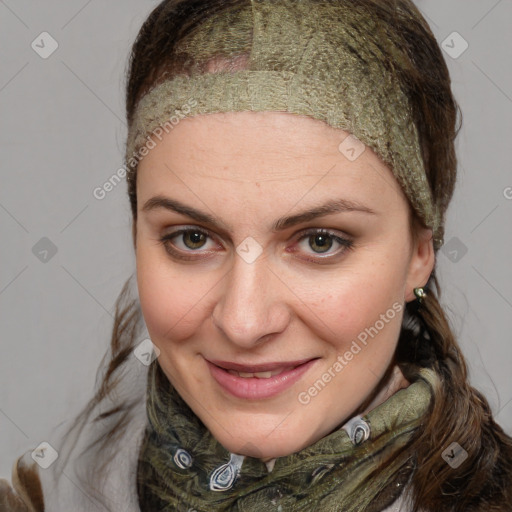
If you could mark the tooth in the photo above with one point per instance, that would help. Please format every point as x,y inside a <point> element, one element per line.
<point>263,375</point>
<point>259,375</point>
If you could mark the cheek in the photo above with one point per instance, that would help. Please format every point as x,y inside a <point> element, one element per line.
<point>171,300</point>
<point>355,302</point>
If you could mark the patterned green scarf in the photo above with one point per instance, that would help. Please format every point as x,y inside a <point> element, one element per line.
<point>182,467</point>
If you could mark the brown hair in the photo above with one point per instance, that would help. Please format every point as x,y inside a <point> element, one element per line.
<point>458,413</point>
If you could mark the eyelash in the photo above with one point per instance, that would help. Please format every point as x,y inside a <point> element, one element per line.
<point>178,254</point>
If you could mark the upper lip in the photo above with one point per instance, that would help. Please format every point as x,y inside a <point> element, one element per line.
<point>255,368</point>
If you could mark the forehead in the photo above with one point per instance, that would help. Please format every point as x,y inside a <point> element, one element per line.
<point>279,151</point>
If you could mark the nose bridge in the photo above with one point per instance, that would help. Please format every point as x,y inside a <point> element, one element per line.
<point>251,305</point>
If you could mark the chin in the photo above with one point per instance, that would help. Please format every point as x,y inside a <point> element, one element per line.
<point>278,443</point>
<point>262,449</point>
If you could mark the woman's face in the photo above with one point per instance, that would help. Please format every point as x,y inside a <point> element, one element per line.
<point>235,276</point>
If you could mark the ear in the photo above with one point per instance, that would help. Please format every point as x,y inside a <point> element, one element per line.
<point>421,263</point>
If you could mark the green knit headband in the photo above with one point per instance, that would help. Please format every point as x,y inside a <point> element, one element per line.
<point>319,59</point>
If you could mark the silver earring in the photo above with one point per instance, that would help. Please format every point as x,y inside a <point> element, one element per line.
<point>420,293</point>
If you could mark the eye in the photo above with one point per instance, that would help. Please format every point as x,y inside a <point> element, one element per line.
<point>190,239</point>
<point>181,244</point>
<point>321,241</point>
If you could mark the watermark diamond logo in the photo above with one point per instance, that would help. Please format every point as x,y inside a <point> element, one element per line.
<point>45,455</point>
<point>44,45</point>
<point>249,250</point>
<point>44,250</point>
<point>146,352</point>
<point>455,45</point>
<point>455,455</point>
<point>454,249</point>
<point>352,148</point>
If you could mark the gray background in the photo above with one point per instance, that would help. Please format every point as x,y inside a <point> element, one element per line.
<point>62,135</point>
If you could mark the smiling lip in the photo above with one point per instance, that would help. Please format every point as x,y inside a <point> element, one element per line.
<point>258,387</point>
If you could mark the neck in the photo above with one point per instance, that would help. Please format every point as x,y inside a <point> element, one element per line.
<point>392,381</point>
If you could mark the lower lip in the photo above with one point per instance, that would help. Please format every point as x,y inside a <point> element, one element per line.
<point>254,388</point>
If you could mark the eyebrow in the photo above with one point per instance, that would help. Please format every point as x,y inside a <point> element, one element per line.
<point>329,208</point>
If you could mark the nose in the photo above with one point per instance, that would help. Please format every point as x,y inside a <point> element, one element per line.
<point>252,305</point>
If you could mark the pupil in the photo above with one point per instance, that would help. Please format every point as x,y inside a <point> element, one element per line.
<point>194,238</point>
<point>322,241</point>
